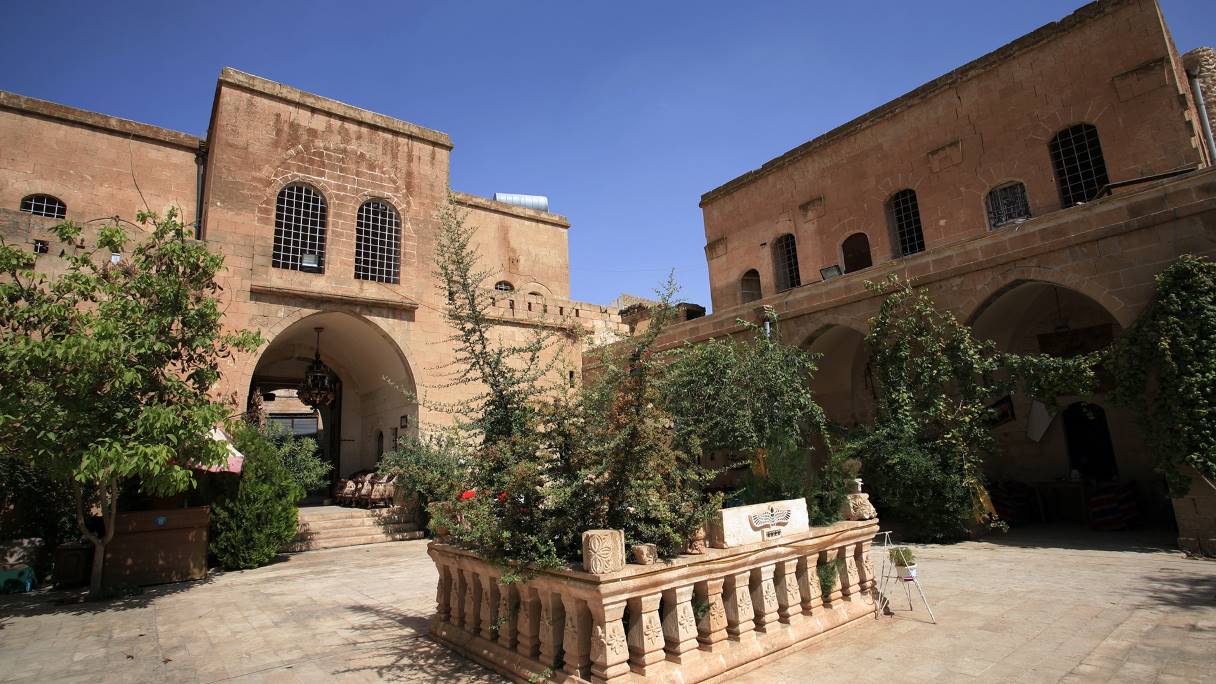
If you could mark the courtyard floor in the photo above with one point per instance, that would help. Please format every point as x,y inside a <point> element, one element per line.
<point>1036,605</point>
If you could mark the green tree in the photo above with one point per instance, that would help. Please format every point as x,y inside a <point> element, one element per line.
<point>107,367</point>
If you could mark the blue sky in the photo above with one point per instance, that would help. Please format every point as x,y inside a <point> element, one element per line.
<point>623,113</point>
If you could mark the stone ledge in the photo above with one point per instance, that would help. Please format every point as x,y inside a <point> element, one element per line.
<point>477,202</point>
<point>102,122</point>
<point>313,295</point>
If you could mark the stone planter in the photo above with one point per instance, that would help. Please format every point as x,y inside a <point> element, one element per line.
<point>756,602</point>
<point>906,571</point>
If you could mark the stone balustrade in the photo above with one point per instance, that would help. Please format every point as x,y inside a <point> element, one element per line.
<point>685,620</point>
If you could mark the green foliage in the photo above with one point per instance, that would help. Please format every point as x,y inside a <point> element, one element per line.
<point>1165,368</point>
<point>437,466</point>
<point>250,528</point>
<point>300,456</point>
<point>934,382</point>
<point>902,555</point>
<point>34,505</point>
<point>115,362</point>
<point>828,574</point>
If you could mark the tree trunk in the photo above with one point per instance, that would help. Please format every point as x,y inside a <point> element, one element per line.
<point>109,507</point>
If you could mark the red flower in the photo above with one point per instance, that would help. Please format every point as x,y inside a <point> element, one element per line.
<point>502,497</point>
<point>468,494</point>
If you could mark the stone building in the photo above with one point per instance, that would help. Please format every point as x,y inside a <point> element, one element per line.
<point>1035,192</point>
<point>325,214</point>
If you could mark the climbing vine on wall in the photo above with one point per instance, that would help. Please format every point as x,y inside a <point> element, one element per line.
<point>1165,369</point>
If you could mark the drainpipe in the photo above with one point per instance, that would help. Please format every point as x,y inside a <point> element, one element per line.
<point>200,161</point>
<point>1197,92</point>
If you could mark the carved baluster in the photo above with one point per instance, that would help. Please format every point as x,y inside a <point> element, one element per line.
<point>865,566</point>
<point>738,603</point>
<point>459,585</point>
<point>679,623</point>
<point>711,628</point>
<point>609,650</point>
<point>576,639</point>
<point>645,632</point>
<point>850,575</point>
<point>552,622</point>
<point>508,602</point>
<point>443,594</point>
<point>472,602</point>
<point>487,607</point>
<point>808,583</point>
<point>528,623</point>
<point>764,597</point>
<point>789,598</point>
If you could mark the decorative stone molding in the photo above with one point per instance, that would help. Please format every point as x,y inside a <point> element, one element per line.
<point>692,618</point>
<point>645,554</point>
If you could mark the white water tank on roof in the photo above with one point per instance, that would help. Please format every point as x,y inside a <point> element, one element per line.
<point>537,202</point>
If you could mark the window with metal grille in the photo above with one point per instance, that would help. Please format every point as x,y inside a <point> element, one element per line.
<point>378,242</point>
<point>44,205</point>
<point>749,287</point>
<point>1076,156</point>
<point>856,252</point>
<point>1007,203</point>
<point>504,286</point>
<point>299,229</point>
<point>904,213</point>
<point>785,260</point>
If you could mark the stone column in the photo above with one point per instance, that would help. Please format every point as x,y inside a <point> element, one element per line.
<point>487,607</point>
<point>506,614</point>
<point>645,632</point>
<point>472,602</point>
<point>764,597</point>
<point>850,579</point>
<point>576,637</point>
<point>609,650</point>
<point>528,624</point>
<point>865,566</point>
<point>459,585</point>
<point>738,603</point>
<point>711,628</point>
<point>789,598</point>
<point>808,583</point>
<point>552,622</point>
<point>679,623</point>
<point>443,594</point>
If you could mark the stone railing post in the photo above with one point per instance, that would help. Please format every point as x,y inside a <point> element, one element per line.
<point>528,623</point>
<point>443,593</point>
<point>487,606</point>
<point>459,585</point>
<point>576,637</point>
<point>472,602</point>
<point>850,580</point>
<point>865,565</point>
<point>645,632</point>
<point>679,623</point>
<point>609,649</point>
<point>552,623</point>
<point>764,597</point>
<point>711,628</point>
<point>737,598</point>
<point>789,598</point>
<point>506,614</point>
<point>808,583</point>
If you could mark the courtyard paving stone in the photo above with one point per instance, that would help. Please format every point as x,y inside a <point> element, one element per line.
<point>1041,605</point>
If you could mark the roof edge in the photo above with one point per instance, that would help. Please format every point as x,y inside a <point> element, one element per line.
<point>103,122</point>
<point>478,202</point>
<point>1081,15</point>
<point>265,86</point>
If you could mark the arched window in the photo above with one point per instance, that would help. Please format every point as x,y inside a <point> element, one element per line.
<point>504,286</point>
<point>785,261</point>
<point>299,229</point>
<point>856,252</point>
<point>378,242</point>
<point>44,205</point>
<point>904,215</point>
<point>749,287</point>
<point>1007,203</point>
<point>1076,157</point>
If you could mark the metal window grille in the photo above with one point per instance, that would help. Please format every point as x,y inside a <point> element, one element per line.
<point>749,287</point>
<point>856,250</point>
<point>299,229</point>
<point>1076,155</point>
<point>504,286</point>
<point>1007,203</point>
<point>44,205</point>
<point>905,214</point>
<point>378,242</point>
<point>785,256</point>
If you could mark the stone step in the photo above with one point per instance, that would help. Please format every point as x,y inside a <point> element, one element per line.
<point>339,523</point>
<point>358,531</point>
<point>353,540</point>
<point>342,513</point>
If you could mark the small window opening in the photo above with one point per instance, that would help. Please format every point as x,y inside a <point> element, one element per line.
<point>904,213</point>
<point>1076,157</point>
<point>44,205</point>
<point>785,260</point>
<point>856,252</point>
<point>749,287</point>
<point>41,247</point>
<point>1006,204</point>
<point>504,286</point>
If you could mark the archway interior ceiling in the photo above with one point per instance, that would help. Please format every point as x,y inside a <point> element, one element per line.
<point>1036,308</point>
<point>358,352</point>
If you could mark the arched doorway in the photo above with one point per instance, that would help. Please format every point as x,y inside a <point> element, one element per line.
<point>366,411</point>
<point>1064,459</point>
<point>840,384</point>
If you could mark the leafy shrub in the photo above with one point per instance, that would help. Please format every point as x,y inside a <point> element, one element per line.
<point>32,504</point>
<point>902,555</point>
<point>300,456</point>
<point>250,528</point>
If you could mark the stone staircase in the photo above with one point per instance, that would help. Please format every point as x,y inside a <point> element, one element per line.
<point>331,527</point>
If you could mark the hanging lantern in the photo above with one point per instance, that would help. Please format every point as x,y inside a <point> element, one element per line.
<point>318,388</point>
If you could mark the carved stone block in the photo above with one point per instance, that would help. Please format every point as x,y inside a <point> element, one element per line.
<point>757,523</point>
<point>645,554</point>
<point>858,507</point>
<point>603,551</point>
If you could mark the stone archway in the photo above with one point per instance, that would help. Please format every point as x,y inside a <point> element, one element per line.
<point>374,380</point>
<point>840,384</point>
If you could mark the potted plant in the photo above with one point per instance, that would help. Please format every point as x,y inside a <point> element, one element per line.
<point>905,562</point>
